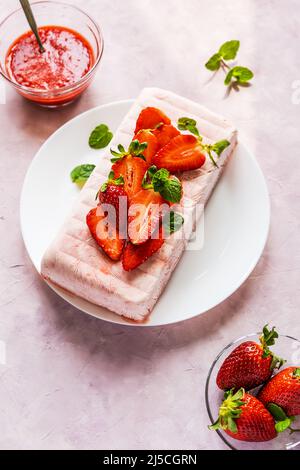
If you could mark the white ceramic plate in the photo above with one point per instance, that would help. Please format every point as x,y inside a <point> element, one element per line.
<point>236,220</point>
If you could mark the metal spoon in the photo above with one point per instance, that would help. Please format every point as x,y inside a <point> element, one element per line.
<point>32,23</point>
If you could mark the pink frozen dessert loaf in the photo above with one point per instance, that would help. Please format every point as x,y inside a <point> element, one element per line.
<point>76,262</point>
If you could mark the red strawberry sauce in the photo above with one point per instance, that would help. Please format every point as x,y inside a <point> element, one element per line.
<point>67,59</point>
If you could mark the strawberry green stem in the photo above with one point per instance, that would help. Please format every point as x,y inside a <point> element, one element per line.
<point>268,338</point>
<point>229,411</point>
<point>296,373</point>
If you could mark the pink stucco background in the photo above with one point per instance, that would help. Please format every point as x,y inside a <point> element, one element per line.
<point>73,382</point>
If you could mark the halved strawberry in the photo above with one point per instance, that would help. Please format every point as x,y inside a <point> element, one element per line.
<point>135,255</point>
<point>133,170</point>
<point>149,118</point>
<point>146,209</point>
<point>146,136</point>
<point>110,243</point>
<point>183,153</point>
<point>165,134</point>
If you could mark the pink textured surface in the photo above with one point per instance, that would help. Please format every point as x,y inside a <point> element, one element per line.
<point>73,382</point>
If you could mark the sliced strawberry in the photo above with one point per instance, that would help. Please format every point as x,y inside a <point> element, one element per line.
<point>165,134</point>
<point>183,153</point>
<point>133,170</point>
<point>149,118</point>
<point>146,209</point>
<point>110,243</point>
<point>135,255</point>
<point>146,136</point>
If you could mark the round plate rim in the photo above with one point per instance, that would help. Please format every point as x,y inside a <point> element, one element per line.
<point>121,320</point>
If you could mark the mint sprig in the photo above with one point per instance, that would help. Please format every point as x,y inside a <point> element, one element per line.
<point>188,124</point>
<point>168,186</point>
<point>135,149</point>
<point>101,137</point>
<point>236,75</point>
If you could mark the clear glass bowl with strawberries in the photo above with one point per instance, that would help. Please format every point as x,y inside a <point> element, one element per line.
<point>253,392</point>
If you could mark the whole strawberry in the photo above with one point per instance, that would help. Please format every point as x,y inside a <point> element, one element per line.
<point>114,201</point>
<point>244,417</point>
<point>111,193</point>
<point>283,390</point>
<point>250,364</point>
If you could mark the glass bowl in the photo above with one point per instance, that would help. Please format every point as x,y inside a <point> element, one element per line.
<point>49,13</point>
<point>285,347</point>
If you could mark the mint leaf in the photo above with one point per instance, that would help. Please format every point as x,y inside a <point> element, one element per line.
<point>159,179</point>
<point>188,124</point>
<point>228,77</point>
<point>81,174</point>
<point>173,222</point>
<point>172,190</point>
<point>169,187</point>
<point>229,50</point>
<point>214,63</point>
<point>283,425</point>
<point>100,137</point>
<point>242,74</point>
<point>277,412</point>
<point>220,146</point>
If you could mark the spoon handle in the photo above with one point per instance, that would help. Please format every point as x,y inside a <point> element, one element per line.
<point>32,23</point>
